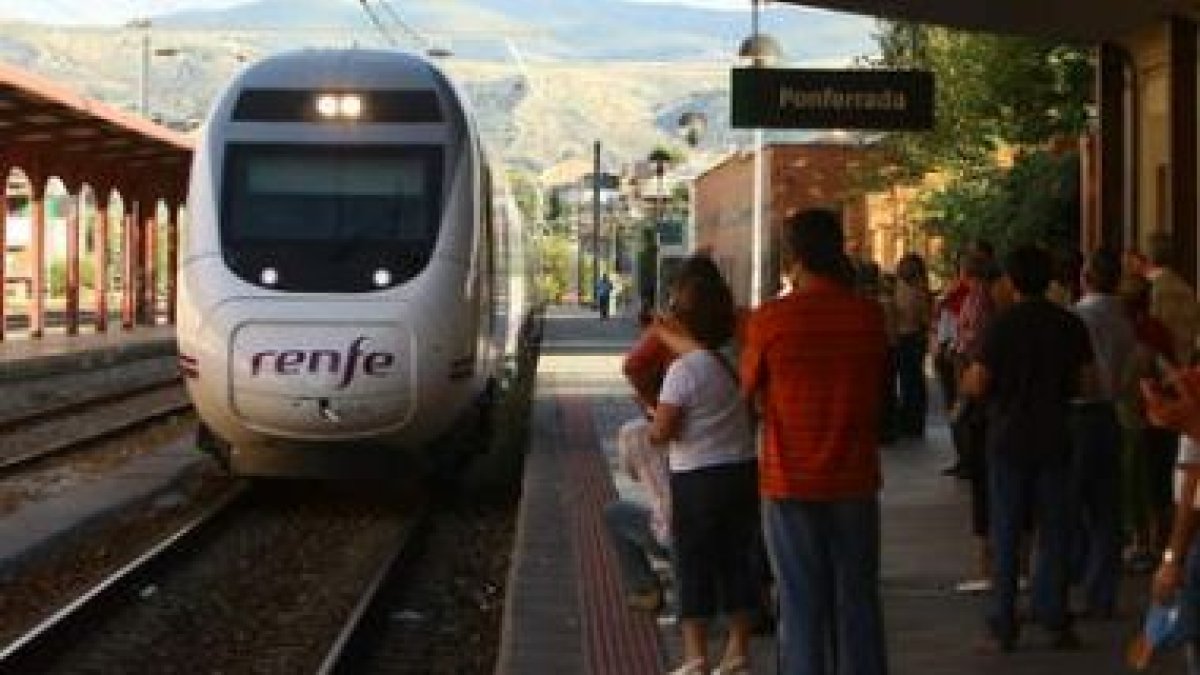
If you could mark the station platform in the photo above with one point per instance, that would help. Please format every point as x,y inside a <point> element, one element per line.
<point>39,512</point>
<point>565,611</point>
<point>24,358</point>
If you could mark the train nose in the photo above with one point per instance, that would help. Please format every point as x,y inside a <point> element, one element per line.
<point>322,379</point>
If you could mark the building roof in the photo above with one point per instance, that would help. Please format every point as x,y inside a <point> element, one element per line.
<point>58,132</point>
<point>1076,20</point>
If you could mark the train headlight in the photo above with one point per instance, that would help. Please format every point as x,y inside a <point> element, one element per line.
<point>269,276</point>
<point>350,106</point>
<point>382,278</point>
<point>327,105</point>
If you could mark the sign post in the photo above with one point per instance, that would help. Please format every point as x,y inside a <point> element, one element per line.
<point>883,100</point>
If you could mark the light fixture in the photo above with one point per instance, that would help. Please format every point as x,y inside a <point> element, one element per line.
<point>692,125</point>
<point>350,106</point>
<point>269,276</point>
<point>760,49</point>
<point>382,278</point>
<point>327,105</point>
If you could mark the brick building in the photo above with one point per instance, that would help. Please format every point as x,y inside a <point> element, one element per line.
<point>795,177</point>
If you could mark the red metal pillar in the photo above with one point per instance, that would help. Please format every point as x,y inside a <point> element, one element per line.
<point>37,253</point>
<point>101,263</point>
<point>75,203</point>
<point>150,267</point>
<point>3,247</point>
<point>172,262</point>
<point>128,268</point>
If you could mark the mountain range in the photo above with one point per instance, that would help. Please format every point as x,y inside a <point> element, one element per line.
<point>546,77</point>
<point>564,29</point>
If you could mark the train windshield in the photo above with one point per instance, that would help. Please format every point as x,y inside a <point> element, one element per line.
<point>345,211</point>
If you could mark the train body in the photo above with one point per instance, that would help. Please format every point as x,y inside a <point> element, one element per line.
<point>353,278</point>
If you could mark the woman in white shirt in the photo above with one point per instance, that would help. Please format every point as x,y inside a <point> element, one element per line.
<point>703,420</point>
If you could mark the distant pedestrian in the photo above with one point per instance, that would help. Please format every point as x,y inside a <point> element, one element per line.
<point>1032,361</point>
<point>703,419</point>
<point>604,289</point>
<point>814,361</point>
<point>914,308</point>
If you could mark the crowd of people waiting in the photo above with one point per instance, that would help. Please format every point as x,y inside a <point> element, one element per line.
<point>1067,388</point>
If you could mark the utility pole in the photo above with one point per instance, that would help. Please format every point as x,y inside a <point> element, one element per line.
<point>144,73</point>
<point>578,207</point>
<point>595,216</point>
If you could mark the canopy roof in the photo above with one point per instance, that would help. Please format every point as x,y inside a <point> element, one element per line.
<point>1076,20</point>
<point>50,129</point>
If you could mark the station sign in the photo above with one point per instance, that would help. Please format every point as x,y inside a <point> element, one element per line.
<point>879,100</point>
<point>671,233</point>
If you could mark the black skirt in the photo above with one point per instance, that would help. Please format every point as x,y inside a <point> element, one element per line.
<point>714,529</point>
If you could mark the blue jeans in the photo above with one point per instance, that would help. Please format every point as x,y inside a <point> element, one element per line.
<point>826,561</point>
<point>1021,487</point>
<point>1096,478</point>
<point>629,527</point>
<point>1189,603</point>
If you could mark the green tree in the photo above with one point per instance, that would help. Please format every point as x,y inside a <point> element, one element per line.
<point>555,251</point>
<point>992,92</point>
<point>525,192</point>
<point>1036,201</point>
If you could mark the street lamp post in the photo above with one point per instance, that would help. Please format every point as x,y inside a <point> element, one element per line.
<point>144,25</point>
<point>596,223</point>
<point>761,50</point>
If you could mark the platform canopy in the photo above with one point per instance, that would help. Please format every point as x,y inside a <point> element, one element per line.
<point>1075,20</point>
<point>49,128</point>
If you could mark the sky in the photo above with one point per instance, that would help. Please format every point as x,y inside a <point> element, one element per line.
<point>99,11</point>
<point>119,11</point>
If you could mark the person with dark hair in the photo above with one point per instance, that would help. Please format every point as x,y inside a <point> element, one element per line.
<point>814,361</point>
<point>603,293</point>
<point>640,529</point>
<point>914,308</point>
<point>702,417</point>
<point>1035,357</point>
<point>1174,403</point>
<point>1096,434</point>
<point>1172,300</point>
<point>945,362</point>
<point>1148,451</point>
<point>968,422</point>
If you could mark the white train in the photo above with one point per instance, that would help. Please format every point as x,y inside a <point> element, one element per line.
<point>353,282</point>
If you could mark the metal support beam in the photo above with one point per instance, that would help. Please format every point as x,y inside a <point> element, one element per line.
<point>74,205</point>
<point>595,222</point>
<point>37,253</point>
<point>172,263</point>
<point>101,264</point>
<point>128,268</point>
<point>3,250</point>
<point>149,295</point>
<point>1183,54</point>
<point>1113,158</point>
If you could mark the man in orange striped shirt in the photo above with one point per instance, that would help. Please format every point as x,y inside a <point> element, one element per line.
<point>814,360</point>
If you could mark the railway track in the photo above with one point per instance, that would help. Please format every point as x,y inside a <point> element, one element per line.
<point>37,435</point>
<point>249,586</point>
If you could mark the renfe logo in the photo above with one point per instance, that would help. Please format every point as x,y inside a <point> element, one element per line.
<point>296,361</point>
